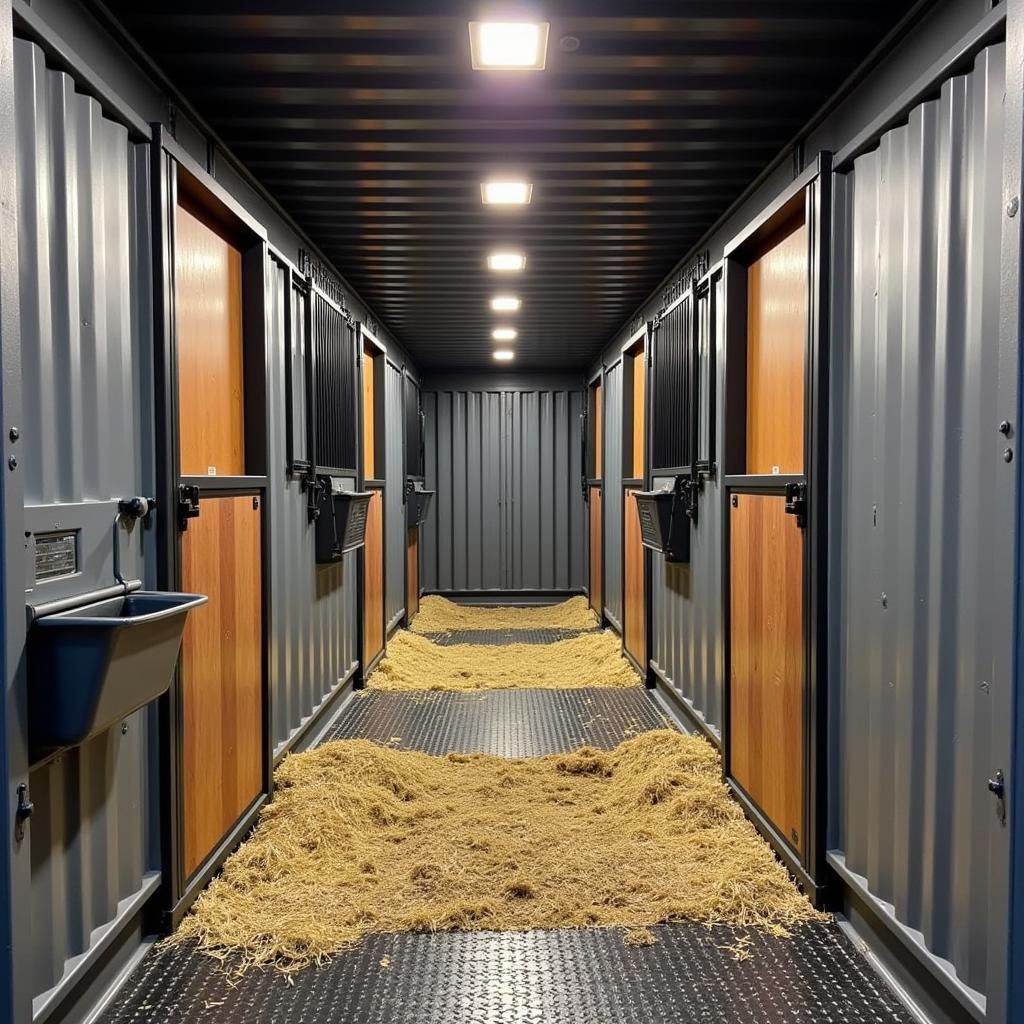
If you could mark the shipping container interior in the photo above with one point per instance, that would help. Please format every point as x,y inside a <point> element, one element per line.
<point>425,422</point>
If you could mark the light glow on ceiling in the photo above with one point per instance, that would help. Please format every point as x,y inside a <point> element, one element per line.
<point>506,193</point>
<point>508,45</point>
<point>506,303</point>
<point>504,355</point>
<point>504,334</point>
<point>506,260</point>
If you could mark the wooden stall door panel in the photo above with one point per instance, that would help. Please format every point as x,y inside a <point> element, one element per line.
<point>635,596</point>
<point>598,430</point>
<point>369,421</point>
<point>412,573</point>
<point>596,552</point>
<point>639,383</point>
<point>208,323</point>
<point>776,356</point>
<point>767,656</point>
<point>221,672</point>
<point>373,581</point>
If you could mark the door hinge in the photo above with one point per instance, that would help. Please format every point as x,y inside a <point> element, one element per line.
<point>997,787</point>
<point>23,812</point>
<point>796,503</point>
<point>188,505</point>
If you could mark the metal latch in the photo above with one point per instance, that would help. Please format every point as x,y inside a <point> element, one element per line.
<point>23,812</point>
<point>997,787</point>
<point>188,505</point>
<point>796,502</point>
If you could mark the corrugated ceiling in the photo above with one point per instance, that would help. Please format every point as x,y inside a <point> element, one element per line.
<point>366,121</point>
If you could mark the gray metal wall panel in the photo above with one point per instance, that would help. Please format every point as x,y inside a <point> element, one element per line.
<point>313,632</point>
<point>688,641</point>
<point>920,542</point>
<point>85,319</point>
<point>509,509</point>
<point>612,506</point>
<point>394,509</point>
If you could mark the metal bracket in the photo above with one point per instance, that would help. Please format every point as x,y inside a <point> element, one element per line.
<point>796,503</point>
<point>23,812</point>
<point>188,505</point>
<point>997,787</point>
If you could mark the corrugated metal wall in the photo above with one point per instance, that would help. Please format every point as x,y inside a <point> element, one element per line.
<point>394,509</point>
<point>85,318</point>
<point>686,600</point>
<point>920,542</point>
<point>612,502</point>
<point>313,634</point>
<point>509,508</point>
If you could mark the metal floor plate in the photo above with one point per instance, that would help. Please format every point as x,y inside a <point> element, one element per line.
<point>504,637</point>
<point>506,723</point>
<point>554,977</point>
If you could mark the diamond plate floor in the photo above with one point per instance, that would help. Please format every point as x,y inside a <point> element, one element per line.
<point>503,637</point>
<point>506,723</point>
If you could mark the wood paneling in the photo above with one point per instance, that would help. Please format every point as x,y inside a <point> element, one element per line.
<point>369,415</point>
<point>412,573</point>
<point>639,384</point>
<point>767,659</point>
<point>598,431</point>
<point>635,591</point>
<point>776,356</point>
<point>596,550</point>
<point>208,319</point>
<point>373,580</point>
<point>221,672</point>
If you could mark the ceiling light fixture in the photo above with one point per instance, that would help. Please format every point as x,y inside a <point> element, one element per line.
<point>505,260</point>
<point>508,45</point>
<point>506,303</point>
<point>504,355</point>
<point>506,193</point>
<point>504,334</point>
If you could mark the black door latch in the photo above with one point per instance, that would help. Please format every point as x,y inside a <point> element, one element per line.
<point>796,503</point>
<point>23,812</point>
<point>997,787</point>
<point>188,505</point>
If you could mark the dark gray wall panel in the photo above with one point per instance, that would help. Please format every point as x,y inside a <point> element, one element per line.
<point>920,543</point>
<point>84,265</point>
<point>394,509</point>
<point>313,633</point>
<point>509,509</point>
<point>612,506</point>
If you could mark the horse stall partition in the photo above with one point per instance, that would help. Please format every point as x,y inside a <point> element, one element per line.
<point>775,445</point>
<point>593,482</point>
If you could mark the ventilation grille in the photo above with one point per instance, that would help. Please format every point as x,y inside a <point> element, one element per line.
<point>334,388</point>
<point>672,413</point>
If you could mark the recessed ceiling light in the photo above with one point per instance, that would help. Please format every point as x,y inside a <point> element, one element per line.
<point>506,193</point>
<point>506,303</point>
<point>504,355</point>
<point>508,45</point>
<point>506,260</point>
<point>504,334</point>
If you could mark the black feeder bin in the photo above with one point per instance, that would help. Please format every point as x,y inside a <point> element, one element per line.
<point>91,666</point>
<point>417,504</point>
<point>341,520</point>
<point>665,518</point>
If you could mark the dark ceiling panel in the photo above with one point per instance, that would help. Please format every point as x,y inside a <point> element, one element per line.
<point>365,120</point>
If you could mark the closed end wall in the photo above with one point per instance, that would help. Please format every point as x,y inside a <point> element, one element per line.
<point>509,512</point>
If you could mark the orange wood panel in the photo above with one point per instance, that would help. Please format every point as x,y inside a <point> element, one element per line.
<point>369,413</point>
<point>639,382</point>
<point>776,356</point>
<point>412,573</point>
<point>635,594</point>
<point>221,672</point>
<point>373,580</point>
<point>596,550</point>
<point>208,319</point>
<point>598,431</point>
<point>766,746</point>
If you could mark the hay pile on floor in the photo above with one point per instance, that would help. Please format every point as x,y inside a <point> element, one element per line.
<point>362,838</point>
<point>439,615</point>
<point>416,663</point>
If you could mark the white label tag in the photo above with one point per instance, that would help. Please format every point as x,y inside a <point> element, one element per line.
<point>211,470</point>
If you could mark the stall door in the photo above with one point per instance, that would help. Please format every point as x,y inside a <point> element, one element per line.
<point>596,551</point>
<point>221,671</point>
<point>767,644</point>
<point>634,594</point>
<point>373,581</point>
<point>412,573</point>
